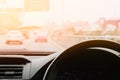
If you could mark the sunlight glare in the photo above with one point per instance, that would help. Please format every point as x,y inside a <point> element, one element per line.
<point>15,4</point>
<point>90,9</point>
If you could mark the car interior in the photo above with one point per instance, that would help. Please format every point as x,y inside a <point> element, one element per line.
<point>90,60</point>
<point>59,40</point>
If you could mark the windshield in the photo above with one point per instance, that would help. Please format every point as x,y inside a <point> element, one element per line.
<point>53,25</point>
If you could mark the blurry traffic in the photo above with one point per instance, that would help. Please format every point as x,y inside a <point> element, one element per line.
<point>27,26</point>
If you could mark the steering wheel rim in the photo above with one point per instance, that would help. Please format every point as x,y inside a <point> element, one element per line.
<point>82,47</point>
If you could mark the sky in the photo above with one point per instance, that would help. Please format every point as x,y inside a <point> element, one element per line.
<point>12,4</point>
<point>71,10</point>
<point>91,9</point>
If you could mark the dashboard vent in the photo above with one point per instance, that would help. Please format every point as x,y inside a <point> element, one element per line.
<point>11,71</point>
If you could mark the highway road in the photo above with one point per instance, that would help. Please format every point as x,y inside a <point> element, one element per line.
<point>28,44</point>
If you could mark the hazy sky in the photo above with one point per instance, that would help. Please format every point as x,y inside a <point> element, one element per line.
<point>91,9</point>
<point>12,4</point>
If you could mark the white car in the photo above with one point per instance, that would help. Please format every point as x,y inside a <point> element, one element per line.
<point>14,37</point>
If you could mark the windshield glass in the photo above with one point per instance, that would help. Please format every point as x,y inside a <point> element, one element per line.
<point>52,25</point>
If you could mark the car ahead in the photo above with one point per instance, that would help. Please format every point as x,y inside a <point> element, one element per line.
<point>41,36</point>
<point>14,37</point>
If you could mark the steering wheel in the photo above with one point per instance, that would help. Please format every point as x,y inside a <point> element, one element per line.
<point>89,60</point>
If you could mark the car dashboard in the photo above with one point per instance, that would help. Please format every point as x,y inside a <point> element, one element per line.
<point>14,67</point>
<point>83,61</point>
<point>23,67</point>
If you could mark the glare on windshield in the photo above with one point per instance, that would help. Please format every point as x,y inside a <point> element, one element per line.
<point>54,25</point>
